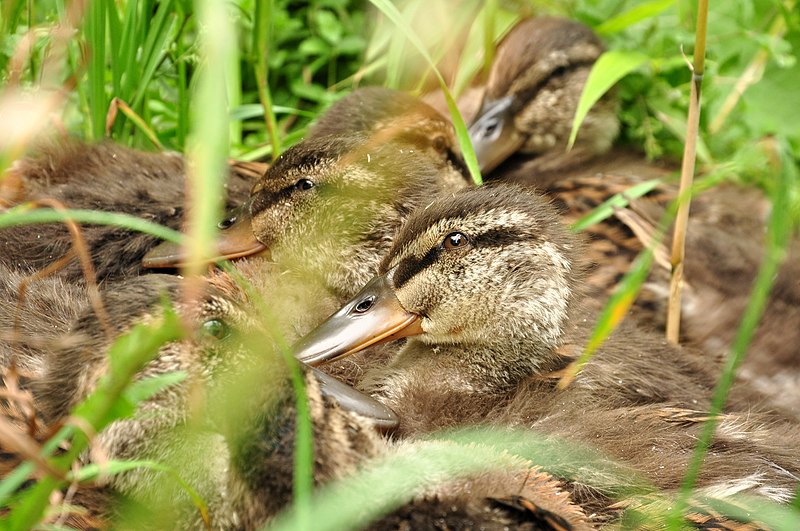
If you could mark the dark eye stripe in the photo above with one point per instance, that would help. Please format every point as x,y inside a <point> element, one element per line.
<point>408,267</point>
<point>264,201</point>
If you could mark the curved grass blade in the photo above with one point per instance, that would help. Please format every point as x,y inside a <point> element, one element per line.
<point>633,15</point>
<point>612,66</point>
<point>391,12</point>
<point>778,232</point>
<point>357,500</point>
<point>25,214</point>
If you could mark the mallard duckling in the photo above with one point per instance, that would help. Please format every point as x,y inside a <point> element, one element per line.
<point>531,97</point>
<point>107,177</point>
<point>70,370</point>
<point>351,149</point>
<point>484,284</point>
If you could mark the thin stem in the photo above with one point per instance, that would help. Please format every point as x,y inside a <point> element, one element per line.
<point>687,176</point>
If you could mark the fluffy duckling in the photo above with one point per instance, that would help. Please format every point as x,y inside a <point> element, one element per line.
<point>350,150</point>
<point>111,178</point>
<point>211,360</point>
<point>484,285</point>
<point>531,97</point>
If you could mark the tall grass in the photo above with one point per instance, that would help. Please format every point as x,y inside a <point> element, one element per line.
<point>205,89</point>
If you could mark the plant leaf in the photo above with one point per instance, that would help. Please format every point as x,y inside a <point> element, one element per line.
<point>612,66</point>
<point>633,15</point>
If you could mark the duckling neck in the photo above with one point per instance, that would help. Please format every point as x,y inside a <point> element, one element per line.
<point>430,374</point>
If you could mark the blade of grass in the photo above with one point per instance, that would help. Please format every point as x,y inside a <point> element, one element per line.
<point>778,232</point>
<point>24,214</point>
<point>262,41</point>
<point>391,12</point>
<point>612,66</point>
<point>397,478</point>
<point>687,175</point>
<point>127,356</point>
<point>633,15</point>
<point>95,25</point>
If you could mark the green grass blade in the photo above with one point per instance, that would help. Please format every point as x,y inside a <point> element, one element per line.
<point>612,66</point>
<point>24,214</point>
<point>262,42</point>
<point>606,209</point>
<point>614,311</point>
<point>633,15</point>
<point>160,29</point>
<point>778,232</point>
<point>391,12</point>
<point>96,35</point>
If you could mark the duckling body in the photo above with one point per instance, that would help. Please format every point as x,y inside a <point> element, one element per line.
<point>485,285</point>
<point>110,178</point>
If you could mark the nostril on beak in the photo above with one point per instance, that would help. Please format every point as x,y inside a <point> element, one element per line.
<point>226,223</point>
<point>364,304</point>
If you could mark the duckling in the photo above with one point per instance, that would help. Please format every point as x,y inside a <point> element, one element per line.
<point>111,178</point>
<point>486,287</point>
<point>531,96</point>
<point>346,139</point>
<point>70,370</point>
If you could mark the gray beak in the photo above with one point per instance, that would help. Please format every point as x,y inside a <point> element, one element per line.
<point>493,135</point>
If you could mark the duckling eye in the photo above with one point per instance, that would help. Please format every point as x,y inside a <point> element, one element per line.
<point>490,127</point>
<point>216,328</point>
<point>440,144</point>
<point>304,184</point>
<point>365,304</point>
<point>226,223</point>
<point>455,240</point>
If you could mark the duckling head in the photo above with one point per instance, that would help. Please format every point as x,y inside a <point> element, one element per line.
<point>486,277</point>
<point>329,207</point>
<point>533,91</point>
<point>350,138</point>
<point>390,115</point>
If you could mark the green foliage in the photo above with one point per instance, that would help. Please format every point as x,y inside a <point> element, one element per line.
<point>290,60</point>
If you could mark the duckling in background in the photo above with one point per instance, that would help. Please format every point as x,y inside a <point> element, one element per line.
<point>531,97</point>
<point>485,285</point>
<point>349,136</point>
<point>111,178</point>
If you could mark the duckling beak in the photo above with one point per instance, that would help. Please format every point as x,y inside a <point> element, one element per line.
<point>355,401</point>
<point>493,134</point>
<point>373,316</point>
<point>236,240</point>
